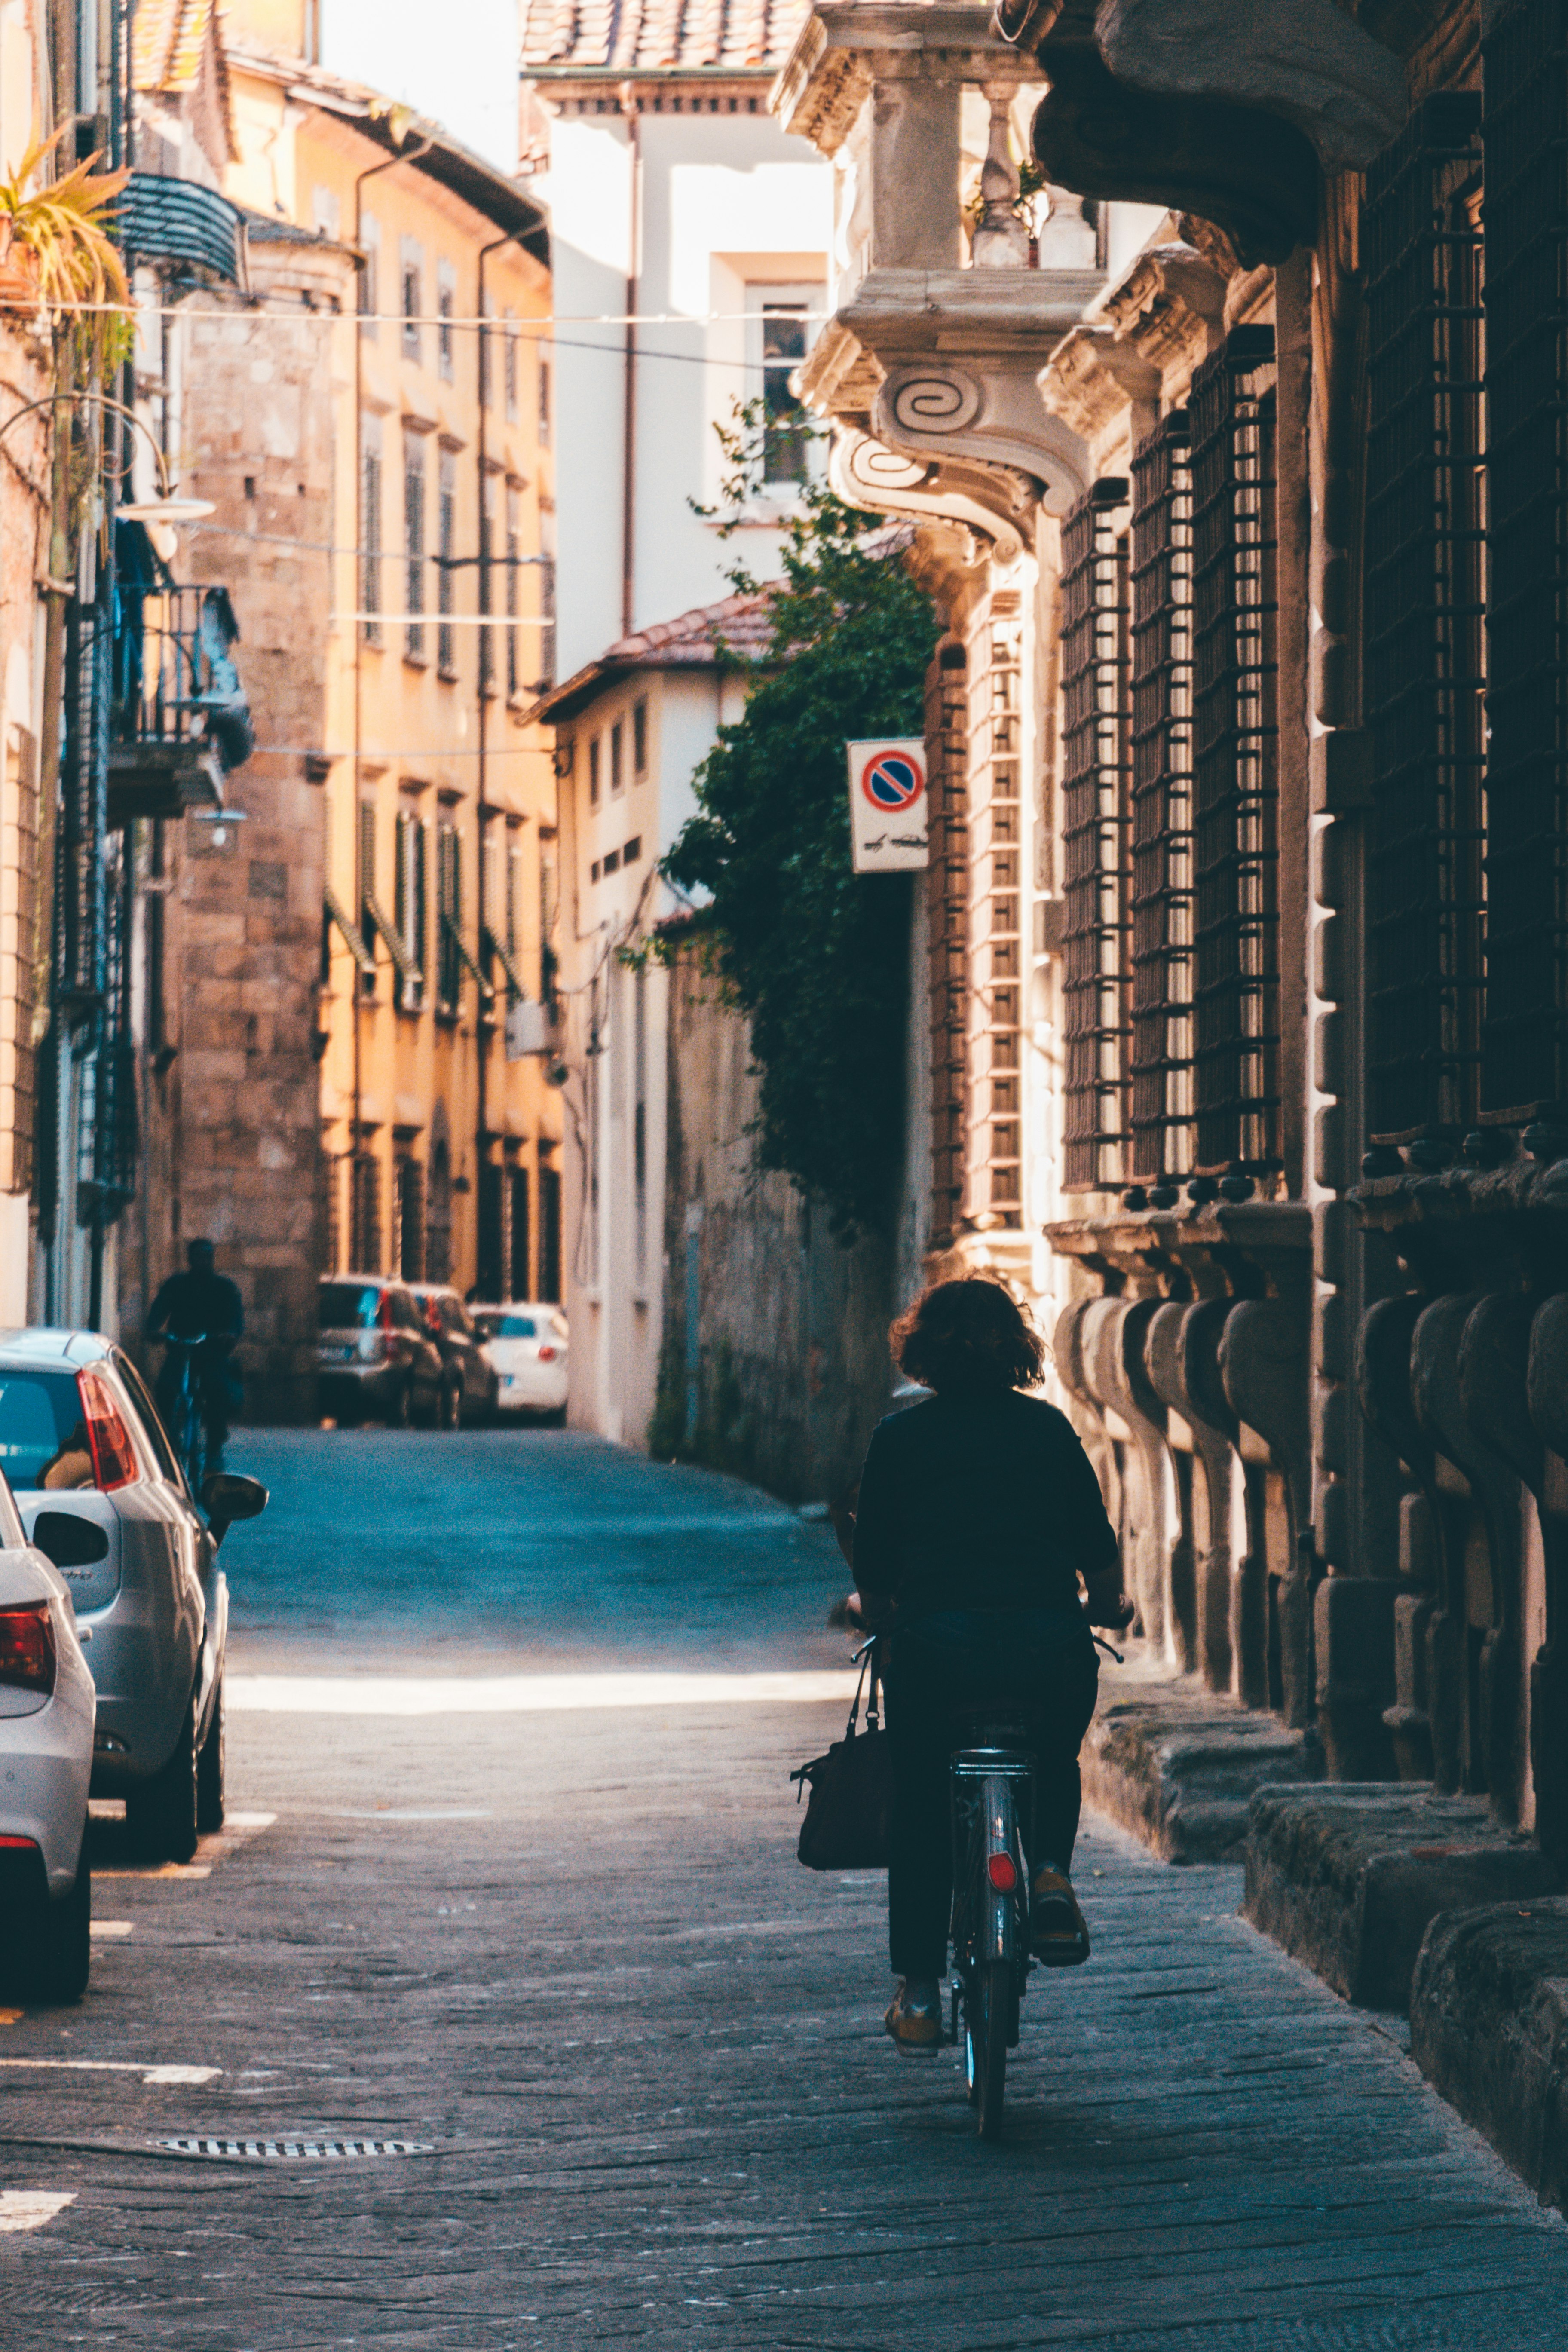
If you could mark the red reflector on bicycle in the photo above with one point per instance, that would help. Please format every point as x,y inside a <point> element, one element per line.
<point>109,1439</point>
<point>1003,1872</point>
<point>27,1651</point>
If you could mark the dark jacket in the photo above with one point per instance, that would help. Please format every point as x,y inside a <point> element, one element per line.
<point>979,1502</point>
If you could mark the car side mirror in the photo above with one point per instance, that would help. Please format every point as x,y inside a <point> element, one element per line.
<point>226,1497</point>
<point>70,1542</point>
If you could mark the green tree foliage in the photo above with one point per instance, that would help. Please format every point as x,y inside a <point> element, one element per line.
<point>816,955</point>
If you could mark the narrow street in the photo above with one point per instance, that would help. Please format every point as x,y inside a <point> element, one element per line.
<point>566,1954</point>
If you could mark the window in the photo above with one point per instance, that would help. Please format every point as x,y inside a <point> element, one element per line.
<point>414,540</point>
<point>368,924</point>
<point>512,883</point>
<point>594,773</point>
<point>618,779</point>
<point>370,527</point>
<point>510,364</point>
<point>632,851</point>
<point>411,287</point>
<point>409,910</point>
<point>546,676</point>
<point>546,929</point>
<point>639,739</point>
<point>1424,596</point>
<point>449,917</point>
<point>613,862</point>
<point>786,437</point>
<point>513,552</point>
<point>1094,796</point>
<point>1162,1141</point>
<point>446,297</point>
<point>1524,1068</point>
<point>446,529</point>
<point>1235,773</point>
<point>640,1119</point>
<point>483,342</point>
<point>370,275</point>
<point>543,397</point>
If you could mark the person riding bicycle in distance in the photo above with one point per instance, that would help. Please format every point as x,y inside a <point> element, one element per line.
<point>201,1304</point>
<point>978,1512</point>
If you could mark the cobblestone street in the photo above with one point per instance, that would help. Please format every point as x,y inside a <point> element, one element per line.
<point>568,1954</point>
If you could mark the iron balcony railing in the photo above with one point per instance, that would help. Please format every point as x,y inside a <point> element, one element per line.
<point>179,720</point>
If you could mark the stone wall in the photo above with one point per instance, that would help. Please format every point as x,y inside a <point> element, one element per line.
<point>785,1369</point>
<point>234,1098</point>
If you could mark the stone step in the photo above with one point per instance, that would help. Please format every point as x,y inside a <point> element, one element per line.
<point>1488,2028</point>
<point>1349,1876</point>
<point>1177,1765</point>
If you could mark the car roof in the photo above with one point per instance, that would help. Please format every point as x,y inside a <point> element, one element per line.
<point>44,1346</point>
<point>366,1281</point>
<point>515,1307</point>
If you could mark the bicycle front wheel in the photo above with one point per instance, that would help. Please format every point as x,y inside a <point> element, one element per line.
<point>988,2046</point>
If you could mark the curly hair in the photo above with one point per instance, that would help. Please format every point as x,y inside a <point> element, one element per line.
<point>967,1338</point>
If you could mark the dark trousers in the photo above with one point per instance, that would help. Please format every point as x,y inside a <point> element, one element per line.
<point>220,1388</point>
<point>1041,1669</point>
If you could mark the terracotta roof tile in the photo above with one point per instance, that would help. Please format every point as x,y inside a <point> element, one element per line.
<point>644,36</point>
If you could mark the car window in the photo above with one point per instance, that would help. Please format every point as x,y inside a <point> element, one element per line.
<point>348,1305</point>
<point>13,1535</point>
<point>516,1326</point>
<point>43,1437</point>
<point>147,1414</point>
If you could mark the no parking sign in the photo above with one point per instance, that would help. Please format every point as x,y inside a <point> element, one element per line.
<point>888,805</point>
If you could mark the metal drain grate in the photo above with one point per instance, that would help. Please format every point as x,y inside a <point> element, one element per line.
<point>307,2150</point>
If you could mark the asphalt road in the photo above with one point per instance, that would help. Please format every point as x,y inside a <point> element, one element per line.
<point>630,2053</point>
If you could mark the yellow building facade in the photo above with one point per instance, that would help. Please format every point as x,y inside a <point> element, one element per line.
<point>439,1130</point>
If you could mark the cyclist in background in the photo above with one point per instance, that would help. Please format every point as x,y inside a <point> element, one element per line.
<point>978,1510</point>
<point>201,1304</point>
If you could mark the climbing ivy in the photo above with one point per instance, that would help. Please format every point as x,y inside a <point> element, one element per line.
<point>817,956</point>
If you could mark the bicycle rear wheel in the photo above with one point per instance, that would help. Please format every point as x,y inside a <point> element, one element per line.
<point>987,2012</point>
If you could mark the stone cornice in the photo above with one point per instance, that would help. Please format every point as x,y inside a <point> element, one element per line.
<point>846,45</point>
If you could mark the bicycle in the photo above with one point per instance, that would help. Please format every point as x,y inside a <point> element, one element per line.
<point>993,1782</point>
<point>188,1415</point>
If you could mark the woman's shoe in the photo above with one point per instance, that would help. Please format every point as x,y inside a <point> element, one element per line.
<point>1058,1935</point>
<point>915,2024</point>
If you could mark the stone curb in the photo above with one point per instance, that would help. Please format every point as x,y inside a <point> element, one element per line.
<point>1348,1877</point>
<point>1488,2028</point>
<point>1178,1767</point>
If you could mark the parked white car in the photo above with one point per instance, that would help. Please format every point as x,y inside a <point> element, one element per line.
<point>46,1764</point>
<point>102,1494</point>
<point>526,1342</point>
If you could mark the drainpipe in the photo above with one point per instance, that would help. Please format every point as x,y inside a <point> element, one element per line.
<point>404,155</point>
<point>487,655</point>
<point>629,397</point>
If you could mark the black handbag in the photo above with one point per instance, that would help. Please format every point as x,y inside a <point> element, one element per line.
<point>849,1814</point>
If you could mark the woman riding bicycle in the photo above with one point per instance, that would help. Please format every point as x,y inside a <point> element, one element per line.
<point>978,1511</point>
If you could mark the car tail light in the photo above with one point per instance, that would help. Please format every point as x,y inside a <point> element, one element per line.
<point>18,1845</point>
<point>547,1353</point>
<point>114,1460</point>
<point>1003,1872</point>
<point>27,1648</point>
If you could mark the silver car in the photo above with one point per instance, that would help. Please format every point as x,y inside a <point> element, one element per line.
<point>102,1496</point>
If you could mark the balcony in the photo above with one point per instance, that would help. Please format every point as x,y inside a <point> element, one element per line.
<point>180,222</point>
<point>952,283</point>
<point>179,721</point>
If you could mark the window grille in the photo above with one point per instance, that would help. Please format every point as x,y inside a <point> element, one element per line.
<point>445,541</point>
<point>411,1221</point>
<point>1524,1067</point>
<point>449,907</point>
<point>414,540</point>
<point>513,556</point>
<point>1423,604</point>
<point>487,557</point>
<point>368,923</point>
<point>409,911</point>
<point>364,1214</point>
<point>445,298</point>
<point>370,533</point>
<point>1163,1137</point>
<point>1234,768</point>
<point>1094,837</point>
<point>518,1286</point>
<point>993,1102</point>
<point>948,902</point>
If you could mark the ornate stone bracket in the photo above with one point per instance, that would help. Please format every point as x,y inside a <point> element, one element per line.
<point>865,473</point>
<point>1178,1333</point>
<point>1112,1356</point>
<point>1309,64</point>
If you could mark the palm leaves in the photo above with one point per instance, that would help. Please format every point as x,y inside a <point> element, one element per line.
<point>62,228</point>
